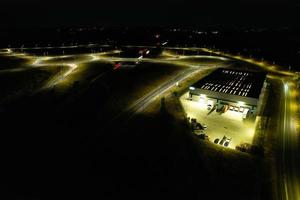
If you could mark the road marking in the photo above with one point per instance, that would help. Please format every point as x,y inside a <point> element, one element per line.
<point>284,133</point>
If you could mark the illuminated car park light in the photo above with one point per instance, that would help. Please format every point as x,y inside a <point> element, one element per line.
<point>286,87</point>
<point>241,103</point>
<point>203,96</point>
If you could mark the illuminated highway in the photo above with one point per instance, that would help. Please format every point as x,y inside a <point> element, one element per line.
<point>146,100</point>
<point>288,170</point>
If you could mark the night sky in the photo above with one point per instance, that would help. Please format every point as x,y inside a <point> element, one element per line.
<point>51,13</point>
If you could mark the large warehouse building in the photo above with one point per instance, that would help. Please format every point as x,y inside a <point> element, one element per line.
<point>230,89</point>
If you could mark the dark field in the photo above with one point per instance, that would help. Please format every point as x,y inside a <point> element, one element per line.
<point>13,85</point>
<point>8,62</point>
<point>61,142</point>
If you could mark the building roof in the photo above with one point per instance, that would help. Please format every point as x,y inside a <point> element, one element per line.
<point>234,82</point>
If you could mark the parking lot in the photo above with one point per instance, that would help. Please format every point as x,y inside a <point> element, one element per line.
<point>229,124</point>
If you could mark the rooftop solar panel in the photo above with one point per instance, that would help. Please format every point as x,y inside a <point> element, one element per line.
<point>234,82</point>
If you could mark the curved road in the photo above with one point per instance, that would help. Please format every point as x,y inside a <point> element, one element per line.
<point>147,99</point>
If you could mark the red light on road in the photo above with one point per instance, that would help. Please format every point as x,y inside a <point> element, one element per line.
<point>117,66</point>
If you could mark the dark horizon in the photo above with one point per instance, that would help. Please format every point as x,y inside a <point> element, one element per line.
<point>51,14</point>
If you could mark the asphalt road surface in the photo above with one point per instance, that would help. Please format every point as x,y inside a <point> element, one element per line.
<point>146,100</point>
<point>288,161</point>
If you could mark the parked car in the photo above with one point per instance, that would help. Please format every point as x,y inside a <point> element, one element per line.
<point>226,143</point>
<point>209,106</point>
<point>223,140</point>
<point>204,136</point>
<point>198,132</point>
<point>216,141</point>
